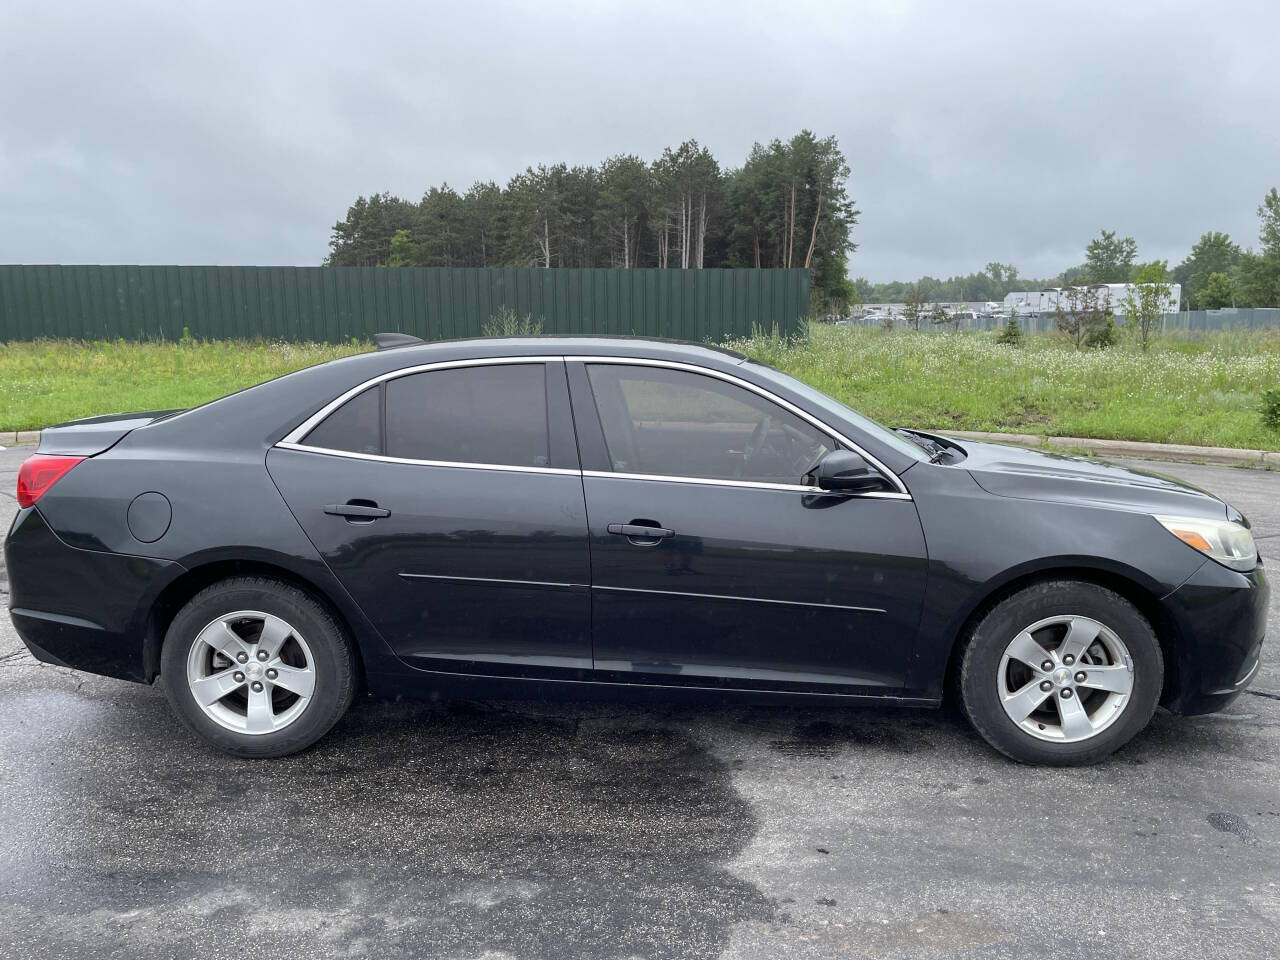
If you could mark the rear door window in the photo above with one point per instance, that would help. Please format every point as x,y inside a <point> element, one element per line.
<point>493,414</point>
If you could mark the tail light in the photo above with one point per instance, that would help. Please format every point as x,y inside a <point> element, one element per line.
<point>40,472</point>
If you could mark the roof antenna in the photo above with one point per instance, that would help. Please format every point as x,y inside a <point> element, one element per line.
<point>389,341</point>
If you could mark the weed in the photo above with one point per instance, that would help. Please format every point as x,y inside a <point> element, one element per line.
<point>504,322</point>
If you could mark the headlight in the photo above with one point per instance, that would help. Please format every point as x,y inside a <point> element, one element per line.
<point>1229,543</point>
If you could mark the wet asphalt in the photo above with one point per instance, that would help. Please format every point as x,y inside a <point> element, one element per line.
<point>475,829</point>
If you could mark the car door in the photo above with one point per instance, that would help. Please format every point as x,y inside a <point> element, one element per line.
<point>712,563</point>
<point>448,501</point>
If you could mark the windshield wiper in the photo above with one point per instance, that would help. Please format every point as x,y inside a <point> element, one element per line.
<point>936,451</point>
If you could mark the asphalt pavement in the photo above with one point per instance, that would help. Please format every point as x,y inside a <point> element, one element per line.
<point>477,829</point>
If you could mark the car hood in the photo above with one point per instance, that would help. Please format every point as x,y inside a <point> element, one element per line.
<point>1042,475</point>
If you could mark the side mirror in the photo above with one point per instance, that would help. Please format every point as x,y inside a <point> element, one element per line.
<point>844,471</point>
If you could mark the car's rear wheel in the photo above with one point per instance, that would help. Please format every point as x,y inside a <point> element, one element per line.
<point>257,667</point>
<point>1062,672</point>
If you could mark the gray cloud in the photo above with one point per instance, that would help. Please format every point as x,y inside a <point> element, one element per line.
<point>238,133</point>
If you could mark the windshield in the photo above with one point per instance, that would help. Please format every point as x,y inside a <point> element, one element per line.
<point>821,401</point>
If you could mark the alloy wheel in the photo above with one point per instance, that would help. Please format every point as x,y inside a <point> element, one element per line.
<point>1065,679</point>
<point>251,672</point>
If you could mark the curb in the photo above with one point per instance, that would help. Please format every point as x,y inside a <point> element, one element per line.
<point>19,437</point>
<point>1231,456</point>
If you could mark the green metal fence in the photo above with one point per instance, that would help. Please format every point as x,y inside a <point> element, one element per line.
<point>337,303</point>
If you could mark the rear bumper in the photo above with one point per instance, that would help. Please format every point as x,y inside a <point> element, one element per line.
<point>77,608</point>
<point>1220,617</point>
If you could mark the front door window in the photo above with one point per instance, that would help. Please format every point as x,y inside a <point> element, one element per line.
<point>663,422</point>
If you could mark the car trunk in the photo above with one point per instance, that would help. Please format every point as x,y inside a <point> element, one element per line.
<point>84,438</point>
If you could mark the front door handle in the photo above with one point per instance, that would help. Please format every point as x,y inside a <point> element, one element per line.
<point>357,511</point>
<point>640,534</point>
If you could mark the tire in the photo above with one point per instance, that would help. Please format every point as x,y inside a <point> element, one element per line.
<point>996,682</point>
<point>275,670</point>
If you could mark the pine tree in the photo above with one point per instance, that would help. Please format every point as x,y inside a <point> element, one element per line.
<point>1012,332</point>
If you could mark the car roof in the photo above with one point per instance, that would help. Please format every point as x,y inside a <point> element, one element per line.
<point>658,348</point>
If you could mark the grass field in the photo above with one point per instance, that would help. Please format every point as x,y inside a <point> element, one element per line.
<point>1198,391</point>
<point>50,381</point>
<point>1202,391</point>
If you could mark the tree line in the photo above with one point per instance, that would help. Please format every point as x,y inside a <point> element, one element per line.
<point>1217,272</point>
<point>992,282</point>
<point>786,206</point>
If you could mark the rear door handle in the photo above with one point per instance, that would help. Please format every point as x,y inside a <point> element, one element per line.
<point>357,511</point>
<point>636,531</point>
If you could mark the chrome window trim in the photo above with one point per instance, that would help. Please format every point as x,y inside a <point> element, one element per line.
<point>598,474</point>
<point>379,458</point>
<point>293,439</point>
<point>749,484</point>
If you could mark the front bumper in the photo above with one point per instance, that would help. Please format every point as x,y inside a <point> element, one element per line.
<point>85,609</point>
<point>1219,617</point>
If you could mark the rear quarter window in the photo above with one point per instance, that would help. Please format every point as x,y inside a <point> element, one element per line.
<point>355,427</point>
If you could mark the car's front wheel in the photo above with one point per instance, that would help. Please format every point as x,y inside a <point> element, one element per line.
<point>257,667</point>
<point>1062,672</point>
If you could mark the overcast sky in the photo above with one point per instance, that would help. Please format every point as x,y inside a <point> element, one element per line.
<point>182,132</point>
